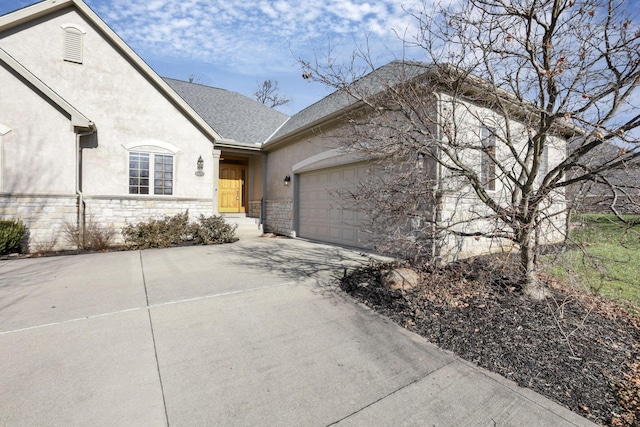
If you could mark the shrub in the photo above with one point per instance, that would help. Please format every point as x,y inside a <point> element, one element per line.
<point>46,246</point>
<point>177,230</point>
<point>12,234</point>
<point>213,230</point>
<point>159,233</point>
<point>94,237</point>
<point>98,238</point>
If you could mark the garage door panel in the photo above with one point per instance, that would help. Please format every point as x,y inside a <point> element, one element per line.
<point>349,235</point>
<point>322,231</point>
<point>350,174</point>
<point>335,233</point>
<point>335,215</point>
<point>322,212</point>
<point>349,216</point>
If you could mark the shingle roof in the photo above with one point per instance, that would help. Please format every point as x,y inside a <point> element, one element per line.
<point>374,82</point>
<point>232,115</point>
<point>248,122</point>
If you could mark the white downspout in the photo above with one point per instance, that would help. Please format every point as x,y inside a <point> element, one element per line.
<point>79,193</point>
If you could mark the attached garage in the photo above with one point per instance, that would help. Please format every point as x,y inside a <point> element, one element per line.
<point>323,212</point>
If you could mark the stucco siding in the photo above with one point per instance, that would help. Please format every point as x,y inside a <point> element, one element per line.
<point>125,106</point>
<point>38,153</point>
<point>282,159</point>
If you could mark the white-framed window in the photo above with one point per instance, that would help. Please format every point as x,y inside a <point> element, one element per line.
<point>73,43</point>
<point>488,165</point>
<point>150,173</point>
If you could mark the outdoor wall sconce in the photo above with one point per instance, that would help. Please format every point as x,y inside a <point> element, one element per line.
<point>200,164</point>
<point>287,180</point>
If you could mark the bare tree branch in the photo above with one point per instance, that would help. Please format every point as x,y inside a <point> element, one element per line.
<point>267,94</point>
<point>555,82</point>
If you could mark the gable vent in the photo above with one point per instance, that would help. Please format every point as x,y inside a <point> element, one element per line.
<point>73,44</point>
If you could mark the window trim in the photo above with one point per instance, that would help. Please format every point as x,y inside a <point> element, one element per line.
<point>151,146</point>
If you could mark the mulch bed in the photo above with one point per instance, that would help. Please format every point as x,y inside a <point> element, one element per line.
<point>577,349</point>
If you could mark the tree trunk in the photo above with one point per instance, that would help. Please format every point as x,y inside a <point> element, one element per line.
<point>532,285</point>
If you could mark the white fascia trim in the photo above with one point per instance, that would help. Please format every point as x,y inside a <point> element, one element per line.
<point>34,11</point>
<point>327,159</point>
<point>4,129</point>
<point>153,143</point>
<point>77,118</point>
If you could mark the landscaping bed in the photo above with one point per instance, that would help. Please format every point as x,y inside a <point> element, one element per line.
<point>578,349</point>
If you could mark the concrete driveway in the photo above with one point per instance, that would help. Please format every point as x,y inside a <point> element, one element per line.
<point>247,334</point>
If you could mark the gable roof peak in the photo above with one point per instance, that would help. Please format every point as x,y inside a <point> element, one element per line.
<point>47,7</point>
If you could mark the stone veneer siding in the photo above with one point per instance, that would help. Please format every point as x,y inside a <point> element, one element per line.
<point>118,212</point>
<point>254,209</point>
<point>46,216</point>
<point>279,217</point>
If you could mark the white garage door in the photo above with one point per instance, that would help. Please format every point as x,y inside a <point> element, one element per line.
<point>322,212</point>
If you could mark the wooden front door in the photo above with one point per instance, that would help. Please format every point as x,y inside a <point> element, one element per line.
<point>231,188</point>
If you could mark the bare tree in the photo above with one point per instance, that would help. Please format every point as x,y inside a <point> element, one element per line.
<point>195,79</point>
<point>267,93</point>
<point>500,88</point>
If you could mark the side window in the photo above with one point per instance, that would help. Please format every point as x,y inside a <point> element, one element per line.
<point>150,172</point>
<point>488,171</point>
<point>73,40</point>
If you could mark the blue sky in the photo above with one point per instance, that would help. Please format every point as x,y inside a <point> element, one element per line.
<point>236,44</point>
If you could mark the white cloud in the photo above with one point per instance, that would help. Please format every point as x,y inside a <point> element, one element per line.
<point>244,35</point>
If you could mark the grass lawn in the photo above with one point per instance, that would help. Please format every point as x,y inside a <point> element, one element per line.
<point>606,259</point>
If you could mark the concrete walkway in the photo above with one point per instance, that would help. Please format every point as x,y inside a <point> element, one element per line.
<point>246,334</point>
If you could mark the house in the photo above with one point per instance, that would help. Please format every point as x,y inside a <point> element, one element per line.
<point>614,189</point>
<point>89,132</point>
<point>310,149</point>
<point>81,134</point>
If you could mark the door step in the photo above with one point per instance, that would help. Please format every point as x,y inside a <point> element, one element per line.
<point>246,227</point>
